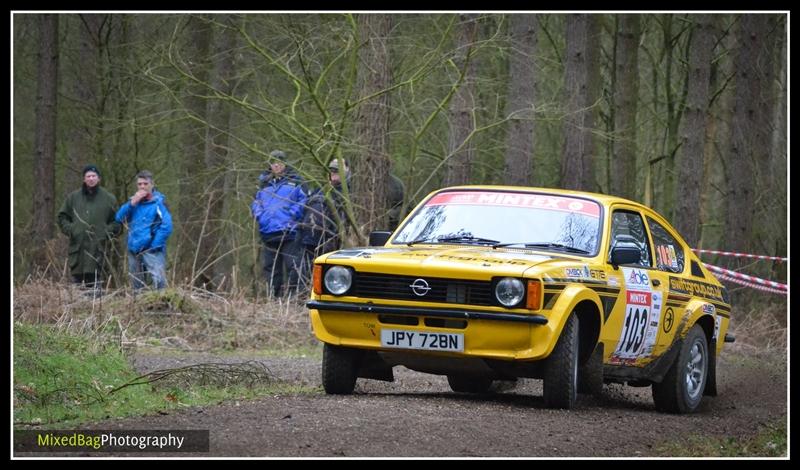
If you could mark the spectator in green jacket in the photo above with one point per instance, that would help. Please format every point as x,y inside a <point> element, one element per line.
<point>87,218</point>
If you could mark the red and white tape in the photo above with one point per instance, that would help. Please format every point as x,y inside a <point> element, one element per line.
<point>752,279</point>
<point>750,284</point>
<point>740,255</point>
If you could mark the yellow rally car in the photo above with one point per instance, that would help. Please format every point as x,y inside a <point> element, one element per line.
<point>484,283</point>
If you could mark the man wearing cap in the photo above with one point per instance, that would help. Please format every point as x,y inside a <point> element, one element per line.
<point>277,207</point>
<point>318,232</point>
<point>87,218</point>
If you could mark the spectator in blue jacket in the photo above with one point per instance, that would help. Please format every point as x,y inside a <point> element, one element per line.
<point>277,207</point>
<point>149,226</point>
<point>318,232</point>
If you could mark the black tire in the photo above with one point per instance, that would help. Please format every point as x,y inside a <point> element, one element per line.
<point>682,388</point>
<point>590,374</point>
<point>339,368</point>
<point>561,369</point>
<point>469,384</point>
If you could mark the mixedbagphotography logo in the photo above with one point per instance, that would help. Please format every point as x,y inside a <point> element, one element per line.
<point>111,441</point>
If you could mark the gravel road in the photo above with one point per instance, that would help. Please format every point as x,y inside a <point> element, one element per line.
<point>418,415</point>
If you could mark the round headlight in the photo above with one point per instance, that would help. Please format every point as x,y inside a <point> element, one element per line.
<point>338,280</point>
<point>509,291</point>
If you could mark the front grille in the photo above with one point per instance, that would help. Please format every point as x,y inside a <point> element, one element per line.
<point>451,291</point>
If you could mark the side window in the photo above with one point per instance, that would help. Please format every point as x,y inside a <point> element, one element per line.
<point>630,224</point>
<point>696,271</point>
<point>669,254</point>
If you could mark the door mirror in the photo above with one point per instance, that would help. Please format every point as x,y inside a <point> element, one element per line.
<point>379,238</point>
<point>625,250</point>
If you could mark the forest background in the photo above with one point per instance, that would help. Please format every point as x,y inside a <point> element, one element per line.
<point>686,113</point>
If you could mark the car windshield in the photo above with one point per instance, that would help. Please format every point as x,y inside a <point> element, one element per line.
<point>532,220</point>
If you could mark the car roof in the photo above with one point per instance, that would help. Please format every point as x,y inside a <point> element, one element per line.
<point>603,199</point>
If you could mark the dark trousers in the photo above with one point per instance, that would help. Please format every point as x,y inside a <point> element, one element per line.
<point>280,258</point>
<point>305,263</point>
<point>90,283</point>
<point>87,279</point>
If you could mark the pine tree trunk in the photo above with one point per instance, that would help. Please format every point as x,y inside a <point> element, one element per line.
<point>215,245</point>
<point>747,123</point>
<point>193,201</point>
<point>593,86</point>
<point>45,150</point>
<point>623,163</point>
<point>520,141</point>
<point>460,152</point>
<point>718,140</point>
<point>581,79</point>
<point>693,132</point>
<point>80,135</point>
<point>371,165</point>
<point>770,199</point>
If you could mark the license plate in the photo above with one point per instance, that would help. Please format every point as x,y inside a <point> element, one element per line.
<point>422,340</point>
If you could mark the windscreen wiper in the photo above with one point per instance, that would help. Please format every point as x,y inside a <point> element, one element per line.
<point>420,240</point>
<point>549,245</point>
<point>472,239</point>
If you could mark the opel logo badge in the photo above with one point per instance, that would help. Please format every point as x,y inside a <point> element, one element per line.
<point>419,287</point>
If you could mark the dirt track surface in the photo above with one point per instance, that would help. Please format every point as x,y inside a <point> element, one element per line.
<point>418,416</point>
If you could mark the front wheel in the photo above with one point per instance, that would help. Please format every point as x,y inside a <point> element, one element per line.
<point>683,385</point>
<point>590,374</point>
<point>339,369</point>
<point>561,370</point>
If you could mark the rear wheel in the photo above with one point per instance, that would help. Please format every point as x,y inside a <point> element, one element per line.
<point>469,384</point>
<point>682,388</point>
<point>561,370</point>
<point>339,368</point>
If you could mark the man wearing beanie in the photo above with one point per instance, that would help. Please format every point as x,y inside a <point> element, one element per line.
<point>87,218</point>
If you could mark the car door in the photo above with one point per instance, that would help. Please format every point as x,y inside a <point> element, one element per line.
<point>670,262</point>
<point>631,331</point>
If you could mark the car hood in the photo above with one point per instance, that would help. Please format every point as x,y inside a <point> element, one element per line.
<point>465,262</point>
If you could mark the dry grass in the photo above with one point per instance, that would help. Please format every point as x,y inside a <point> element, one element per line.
<point>183,318</point>
<point>193,319</point>
<point>761,331</point>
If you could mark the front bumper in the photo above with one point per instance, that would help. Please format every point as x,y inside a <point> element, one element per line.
<point>487,333</point>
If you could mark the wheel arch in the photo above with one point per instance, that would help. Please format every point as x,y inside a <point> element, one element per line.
<point>706,322</point>
<point>589,319</point>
